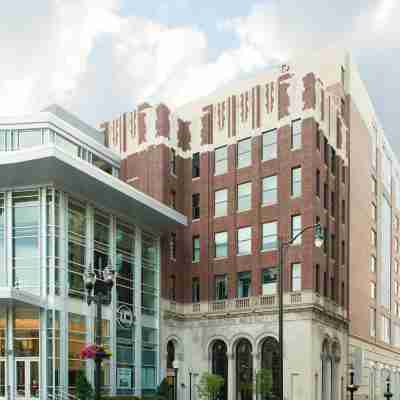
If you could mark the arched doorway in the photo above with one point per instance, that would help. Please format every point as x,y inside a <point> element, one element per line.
<point>170,354</point>
<point>244,370</point>
<point>220,366</point>
<point>270,361</point>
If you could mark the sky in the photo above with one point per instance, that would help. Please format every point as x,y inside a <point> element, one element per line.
<point>99,58</point>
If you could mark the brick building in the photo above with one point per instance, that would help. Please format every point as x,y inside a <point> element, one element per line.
<point>259,160</point>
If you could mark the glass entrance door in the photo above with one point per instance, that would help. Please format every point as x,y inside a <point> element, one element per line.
<point>2,379</point>
<point>27,378</point>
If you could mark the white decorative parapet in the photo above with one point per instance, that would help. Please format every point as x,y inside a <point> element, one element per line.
<point>291,300</point>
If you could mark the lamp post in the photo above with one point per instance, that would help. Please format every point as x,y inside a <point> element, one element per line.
<point>175,366</point>
<point>388,394</point>
<point>352,387</point>
<point>318,241</point>
<point>90,279</point>
<point>190,383</point>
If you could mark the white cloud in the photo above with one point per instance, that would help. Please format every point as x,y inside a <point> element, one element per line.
<point>86,56</point>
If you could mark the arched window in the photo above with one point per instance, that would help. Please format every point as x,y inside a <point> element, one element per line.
<point>220,366</point>
<point>170,354</point>
<point>325,374</point>
<point>270,361</point>
<point>244,370</point>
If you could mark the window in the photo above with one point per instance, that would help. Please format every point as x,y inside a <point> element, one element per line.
<point>173,199</point>
<point>317,288</point>
<point>396,288</point>
<point>344,174</point>
<point>397,309</point>
<point>196,206</point>
<point>318,183</point>
<point>372,264</point>
<point>318,138</point>
<point>343,296</point>
<point>172,288</point>
<point>296,277</point>
<point>396,266</point>
<point>196,249</point>
<point>372,322</point>
<point>221,244</point>
<point>332,288</point>
<point>243,153</point>
<point>325,196</point>
<point>333,161</point>
<point>325,287</point>
<point>195,290</point>
<point>325,245</point>
<point>270,190</point>
<point>196,165</point>
<point>333,247</point>
<point>269,145</point>
<point>372,289</point>
<point>385,329</point>
<point>326,151</point>
<point>396,223</point>
<point>221,287</point>
<point>373,238</point>
<point>296,134</point>
<point>373,211</point>
<point>244,196</point>
<point>221,203</point>
<point>244,284</point>
<point>172,161</point>
<point>244,241</point>
<point>296,182</point>
<point>296,228</point>
<point>221,160</point>
<point>269,236</point>
<point>343,252</point>
<point>173,246</point>
<point>396,245</point>
<point>343,211</point>
<point>333,203</point>
<point>269,281</point>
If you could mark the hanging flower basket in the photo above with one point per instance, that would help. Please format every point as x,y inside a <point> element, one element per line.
<point>93,351</point>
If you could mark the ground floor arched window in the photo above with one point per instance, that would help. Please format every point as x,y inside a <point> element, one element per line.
<point>270,361</point>
<point>170,354</point>
<point>220,366</point>
<point>244,370</point>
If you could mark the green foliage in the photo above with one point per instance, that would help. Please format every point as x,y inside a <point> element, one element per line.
<point>84,390</point>
<point>209,386</point>
<point>123,397</point>
<point>264,383</point>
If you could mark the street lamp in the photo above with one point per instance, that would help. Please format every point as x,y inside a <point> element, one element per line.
<point>388,394</point>
<point>352,387</point>
<point>318,241</point>
<point>90,280</point>
<point>175,366</point>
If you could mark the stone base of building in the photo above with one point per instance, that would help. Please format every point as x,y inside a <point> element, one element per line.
<point>315,351</point>
<point>373,364</point>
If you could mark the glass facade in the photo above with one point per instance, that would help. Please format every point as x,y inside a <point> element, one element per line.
<point>386,244</point>
<point>50,239</point>
<point>21,139</point>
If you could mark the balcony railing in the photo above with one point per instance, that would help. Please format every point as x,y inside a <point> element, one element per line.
<point>291,300</point>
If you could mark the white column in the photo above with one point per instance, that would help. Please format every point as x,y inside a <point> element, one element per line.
<point>256,367</point>
<point>231,376</point>
<point>43,353</point>
<point>138,312</point>
<point>11,384</point>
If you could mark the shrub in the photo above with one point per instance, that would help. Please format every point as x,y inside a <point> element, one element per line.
<point>84,390</point>
<point>209,386</point>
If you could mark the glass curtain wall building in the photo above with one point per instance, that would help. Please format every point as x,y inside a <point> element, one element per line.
<point>63,210</point>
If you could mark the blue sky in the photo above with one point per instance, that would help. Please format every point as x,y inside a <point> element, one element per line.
<point>99,58</point>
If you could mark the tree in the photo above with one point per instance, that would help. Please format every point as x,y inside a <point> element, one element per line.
<point>264,383</point>
<point>84,390</point>
<point>209,386</point>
